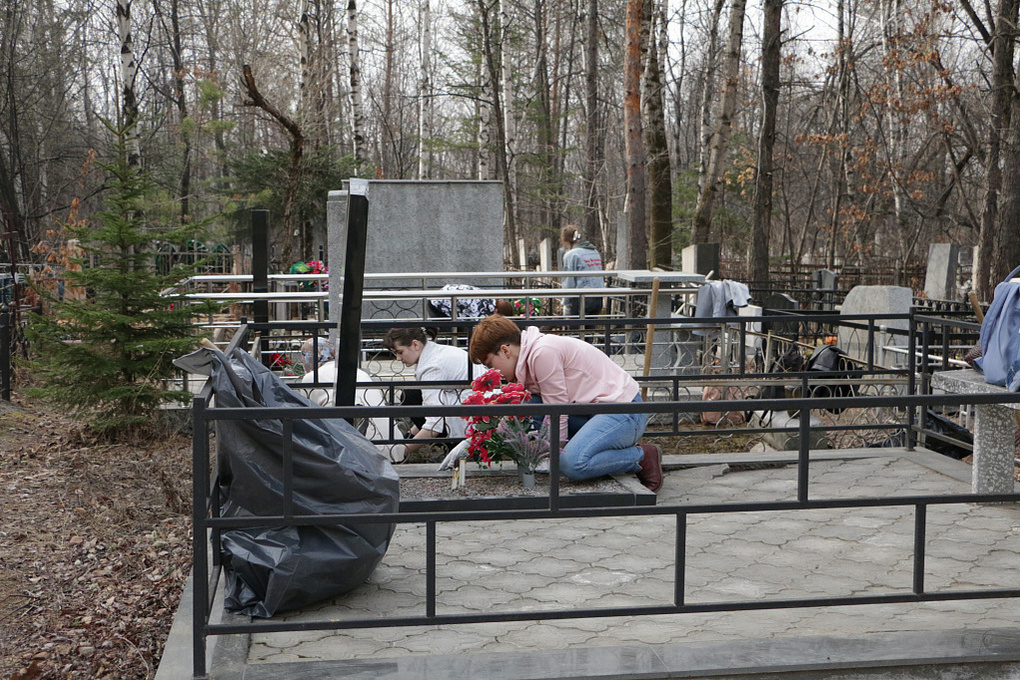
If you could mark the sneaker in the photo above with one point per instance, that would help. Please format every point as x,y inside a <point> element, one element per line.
<point>650,473</point>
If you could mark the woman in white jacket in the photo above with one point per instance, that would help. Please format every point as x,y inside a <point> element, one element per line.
<point>434,362</point>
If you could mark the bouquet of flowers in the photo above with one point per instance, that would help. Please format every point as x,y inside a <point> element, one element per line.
<point>498,438</point>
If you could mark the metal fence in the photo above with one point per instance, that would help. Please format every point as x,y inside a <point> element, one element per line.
<point>895,397</point>
<point>6,351</point>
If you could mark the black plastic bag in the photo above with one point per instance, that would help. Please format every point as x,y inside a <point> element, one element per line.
<point>832,359</point>
<point>336,471</point>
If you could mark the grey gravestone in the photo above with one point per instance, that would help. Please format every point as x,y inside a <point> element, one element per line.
<point>779,303</point>
<point>419,226</point>
<point>875,300</point>
<point>622,243</point>
<point>700,258</point>
<point>545,254</point>
<point>940,277</point>
<point>826,285</point>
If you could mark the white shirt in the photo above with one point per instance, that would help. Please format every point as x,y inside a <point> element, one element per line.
<point>378,428</point>
<point>445,362</point>
<point>324,396</point>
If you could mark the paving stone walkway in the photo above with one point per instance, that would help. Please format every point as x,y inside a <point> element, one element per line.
<point>608,562</point>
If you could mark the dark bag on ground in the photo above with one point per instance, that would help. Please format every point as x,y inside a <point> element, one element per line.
<point>336,471</point>
<point>832,359</point>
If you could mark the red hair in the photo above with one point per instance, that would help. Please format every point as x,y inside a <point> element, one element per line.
<point>490,334</point>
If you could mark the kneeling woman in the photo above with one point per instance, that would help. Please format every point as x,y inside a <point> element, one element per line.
<point>564,370</point>
<point>433,361</point>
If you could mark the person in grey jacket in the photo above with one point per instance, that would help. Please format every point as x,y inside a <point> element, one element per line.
<point>580,256</point>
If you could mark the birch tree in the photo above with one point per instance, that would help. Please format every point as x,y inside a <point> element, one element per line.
<point>509,132</point>
<point>357,109</point>
<point>710,181</point>
<point>128,71</point>
<point>425,88</point>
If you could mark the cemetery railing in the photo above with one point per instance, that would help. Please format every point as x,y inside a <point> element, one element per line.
<point>209,526</point>
<point>693,358</point>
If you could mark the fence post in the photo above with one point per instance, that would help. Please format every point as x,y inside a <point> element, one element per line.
<point>6,355</point>
<point>260,262</point>
<point>349,342</point>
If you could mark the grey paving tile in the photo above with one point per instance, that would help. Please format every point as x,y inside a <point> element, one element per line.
<point>610,562</point>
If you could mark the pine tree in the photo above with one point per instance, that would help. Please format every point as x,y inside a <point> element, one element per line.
<point>106,355</point>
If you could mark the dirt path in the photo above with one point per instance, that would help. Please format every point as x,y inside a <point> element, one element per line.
<point>94,548</point>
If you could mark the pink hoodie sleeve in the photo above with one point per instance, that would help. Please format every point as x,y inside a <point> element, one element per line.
<point>547,370</point>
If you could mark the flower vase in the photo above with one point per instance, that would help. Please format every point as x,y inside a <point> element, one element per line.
<point>527,477</point>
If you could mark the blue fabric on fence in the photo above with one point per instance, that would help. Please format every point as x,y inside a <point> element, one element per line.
<point>1000,336</point>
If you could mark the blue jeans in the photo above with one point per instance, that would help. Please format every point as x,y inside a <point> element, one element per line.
<point>602,444</point>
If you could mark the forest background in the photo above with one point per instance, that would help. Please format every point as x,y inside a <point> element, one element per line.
<point>795,134</point>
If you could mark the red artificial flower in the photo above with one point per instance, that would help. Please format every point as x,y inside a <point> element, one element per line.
<point>481,429</point>
<point>487,381</point>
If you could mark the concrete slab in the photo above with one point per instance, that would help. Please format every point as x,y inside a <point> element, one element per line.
<point>981,653</point>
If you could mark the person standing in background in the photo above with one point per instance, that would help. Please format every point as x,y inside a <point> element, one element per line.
<point>580,255</point>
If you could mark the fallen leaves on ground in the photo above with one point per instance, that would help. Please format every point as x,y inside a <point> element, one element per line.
<point>95,546</point>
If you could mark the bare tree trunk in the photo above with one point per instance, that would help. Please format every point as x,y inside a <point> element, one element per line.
<point>896,129</point>
<point>546,137</point>
<point>357,109</point>
<point>304,59</point>
<point>771,47</point>
<point>592,155</point>
<point>509,134</point>
<point>177,52</point>
<point>1007,233</point>
<point>285,236</point>
<point>425,89</point>
<point>635,146</point>
<point>484,107</point>
<point>211,19</point>
<point>128,71</point>
<point>387,154</point>
<point>660,195</point>
<point>841,124</point>
<point>12,215</point>
<point>708,93</point>
<point>710,183</point>
<point>486,10</point>
<point>562,79</point>
<point>1002,91</point>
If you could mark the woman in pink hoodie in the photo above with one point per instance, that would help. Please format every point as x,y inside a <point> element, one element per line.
<point>563,370</point>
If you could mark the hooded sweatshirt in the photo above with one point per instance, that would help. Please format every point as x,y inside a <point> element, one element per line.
<point>583,258</point>
<point>565,370</point>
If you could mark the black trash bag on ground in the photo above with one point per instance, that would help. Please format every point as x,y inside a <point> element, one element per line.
<point>336,471</point>
<point>791,361</point>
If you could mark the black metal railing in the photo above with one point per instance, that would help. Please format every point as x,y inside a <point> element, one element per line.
<point>208,525</point>
<point>6,352</point>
